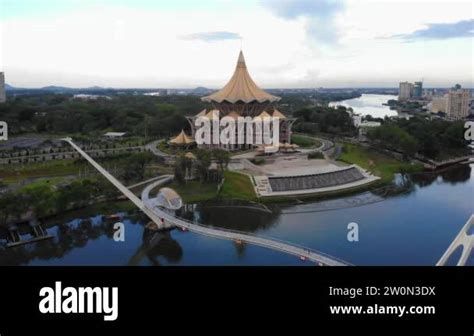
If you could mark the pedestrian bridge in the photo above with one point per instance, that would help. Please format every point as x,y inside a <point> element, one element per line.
<point>159,215</point>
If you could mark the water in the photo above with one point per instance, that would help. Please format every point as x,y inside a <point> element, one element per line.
<point>369,104</point>
<point>412,228</point>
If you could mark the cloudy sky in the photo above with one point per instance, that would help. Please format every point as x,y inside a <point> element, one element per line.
<point>189,43</point>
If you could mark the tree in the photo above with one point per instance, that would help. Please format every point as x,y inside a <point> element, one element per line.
<point>135,166</point>
<point>8,204</point>
<point>40,199</point>
<point>179,169</point>
<point>203,162</point>
<point>222,158</point>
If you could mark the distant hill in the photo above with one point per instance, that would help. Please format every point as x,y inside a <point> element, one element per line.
<point>200,91</point>
<point>9,87</point>
<point>97,88</point>
<point>56,88</point>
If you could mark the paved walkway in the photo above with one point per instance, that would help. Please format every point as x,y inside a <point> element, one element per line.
<point>152,147</point>
<point>271,243</point>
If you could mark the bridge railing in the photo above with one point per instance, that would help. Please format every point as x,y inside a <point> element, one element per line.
<point>209,227</point>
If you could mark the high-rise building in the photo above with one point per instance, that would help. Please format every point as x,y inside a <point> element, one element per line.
<point>418,90</point>
<point>439,104</point>
<point>405,91</point>
<point>458,104</point>
<point>2,88</point>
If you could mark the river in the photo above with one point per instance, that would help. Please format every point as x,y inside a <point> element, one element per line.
<point>412,228</point>
<point>369,104</point>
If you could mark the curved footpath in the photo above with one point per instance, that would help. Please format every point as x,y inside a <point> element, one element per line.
<point>157,214</point>
<point>152,147</point>
<point>271,243</point>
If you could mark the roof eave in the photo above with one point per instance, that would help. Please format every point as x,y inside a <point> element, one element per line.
<point>220,101</point>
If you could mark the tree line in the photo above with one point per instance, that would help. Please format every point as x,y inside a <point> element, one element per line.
<point>434,139</point>
<point>137,115</point>
<point>44,199</point>
<point>324,119</point>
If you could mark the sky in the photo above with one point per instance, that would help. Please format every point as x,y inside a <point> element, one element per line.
<point>190,43</point>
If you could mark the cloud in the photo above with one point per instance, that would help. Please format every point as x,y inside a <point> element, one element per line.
<point>211,36</point>
<point>320,16</point>
<point>440,31</point>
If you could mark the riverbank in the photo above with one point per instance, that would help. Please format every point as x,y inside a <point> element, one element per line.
<point>377,163</point>
<point>241,186</point>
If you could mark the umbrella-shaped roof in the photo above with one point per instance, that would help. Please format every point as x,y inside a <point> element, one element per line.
<point>241,88</point>
<point>181,139</point>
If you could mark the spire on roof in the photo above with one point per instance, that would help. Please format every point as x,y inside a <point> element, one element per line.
<point>241,61</point>
<point>241,87</point>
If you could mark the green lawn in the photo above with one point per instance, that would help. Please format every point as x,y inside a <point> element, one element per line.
<point>304,141</point>
<point>18,172</point>
<point>379,164</point>
<point>194,191</point>
<point>237,186</point>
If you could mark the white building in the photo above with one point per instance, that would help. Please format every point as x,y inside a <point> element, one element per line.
<point>115,135</point>
<point>356,120</point>
<point>458,104</point>
<point>3,97</point>
<point>90,97</point>
<point>405,91</point>
<point>365,126</point>
<point>370,124</point>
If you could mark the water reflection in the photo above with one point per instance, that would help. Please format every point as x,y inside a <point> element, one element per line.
<point>452,175</point>
<point>414,207</point>
<point>77,233</point>
<point>232,215</point>
<point>69,236</point>
<point>157,244</point>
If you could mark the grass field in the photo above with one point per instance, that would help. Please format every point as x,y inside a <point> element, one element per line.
<point>304,141</point>
<point>19,172</point>
<point>194,191</point>
<point>237,186</point>
<point>377,163</point>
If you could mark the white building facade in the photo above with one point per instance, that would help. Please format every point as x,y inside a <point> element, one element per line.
<point>458,104</point>
<point>405,91</point>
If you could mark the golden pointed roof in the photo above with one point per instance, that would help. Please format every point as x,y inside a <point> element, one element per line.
<point>262,115</point>
<point>278,114</point>
<point>181,139</point>
<point>233,115</point>
<point>241,87</point>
